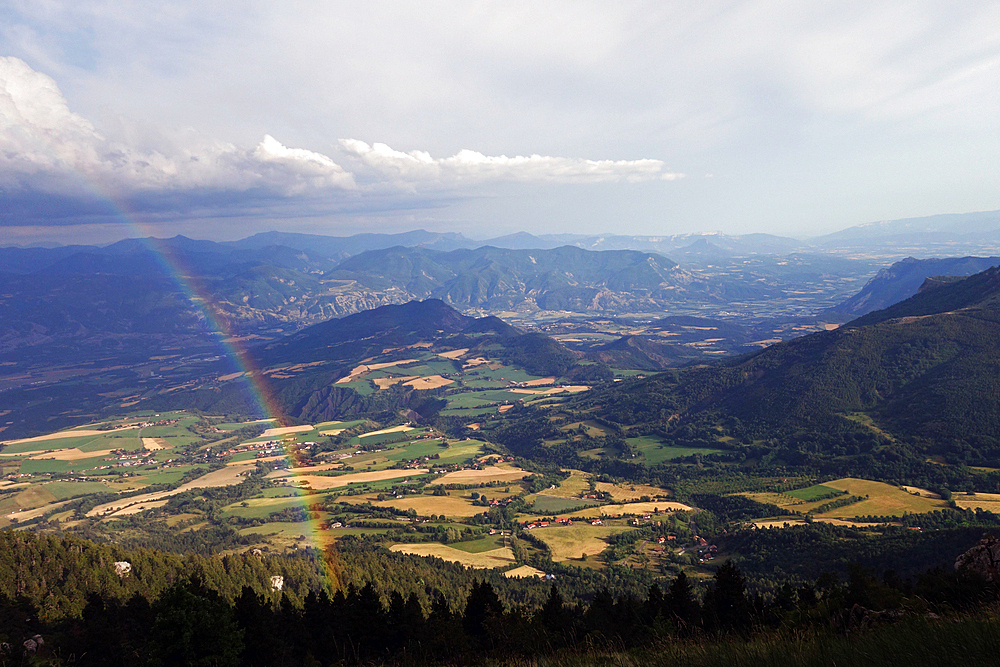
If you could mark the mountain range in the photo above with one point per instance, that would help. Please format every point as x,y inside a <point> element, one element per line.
<point>904,278</point>
<point>922,376</point>
<point>69,294</point>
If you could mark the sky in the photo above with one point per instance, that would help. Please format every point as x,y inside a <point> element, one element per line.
<point>218,120</point>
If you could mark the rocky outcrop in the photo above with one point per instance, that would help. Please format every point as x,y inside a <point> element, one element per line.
<point>982,559</point>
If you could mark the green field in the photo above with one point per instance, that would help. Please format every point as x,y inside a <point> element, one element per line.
<point>127,440</point>
<point>243,456</point>
<point>232,426</point>
<point>81,465</point>
<point>49,445</point>
<point>286,529</point>
<point>812,493</point>
<point>468,413</point>
<point>488,543</point>
<point>655,451</point>
<point>44,465</point>
<point>456,452</point>
<point>460,451</point>
<point>476,399</point>
<point>64,490</point>
<point>363,387</point>
<point>552,504</point>
<point>381,438</point>
<point>259,508</point>
<point>415,449</point>
<point>415,480</point>
<point>482,377</point>
<point>336,426</point>
<point>169,476</point>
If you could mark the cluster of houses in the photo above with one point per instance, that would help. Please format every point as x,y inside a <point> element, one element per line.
<point>332,526</point>
<point>124,459</point>
<point>706,552</point>
<point>645,518</point>
<point>558,522</point>
<point>269,448</point>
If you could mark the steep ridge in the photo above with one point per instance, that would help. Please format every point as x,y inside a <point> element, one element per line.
<point>561,278</point>
<point>349,337</point>
<point>902,280</point>
<point>924,373</point>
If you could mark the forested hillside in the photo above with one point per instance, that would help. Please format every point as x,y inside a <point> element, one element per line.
<point>924,374</point>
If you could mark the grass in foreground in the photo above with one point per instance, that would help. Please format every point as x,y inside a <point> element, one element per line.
<point>913,643</point>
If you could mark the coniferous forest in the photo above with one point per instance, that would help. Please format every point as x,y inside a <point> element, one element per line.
<point>68,601</point>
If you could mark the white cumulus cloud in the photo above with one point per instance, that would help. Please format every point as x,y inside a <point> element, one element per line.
<point>49,152</point>
<point>468,166</point>
<point>46,147</point>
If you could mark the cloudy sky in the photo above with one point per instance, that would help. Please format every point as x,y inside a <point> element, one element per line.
<point>221,119</point>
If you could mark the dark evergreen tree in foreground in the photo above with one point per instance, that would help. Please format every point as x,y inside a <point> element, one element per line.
<point>197,620</point>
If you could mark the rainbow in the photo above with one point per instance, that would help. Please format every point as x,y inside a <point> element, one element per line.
<point>252,376</point>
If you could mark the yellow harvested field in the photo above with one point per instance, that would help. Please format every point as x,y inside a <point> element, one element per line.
<point>477,361</point>
<point>504,408</point>
<point>986,501</point>
<point>73,454</point>
<point>572,389</point>
<point>394,429</point>
<point>64,434</point>
<point>336,431</point>
<point>214,479</point>
<point>796,521</point>
<point>575,486</point>
<point>627,492</point>
<point>883,499</point>
<point>567,542</point>
<point>33,496</point>
<point>321,482</point>
<point>778,523</point>
<point>364,368</point>
<point>27,515</point>
<point>255,461</point>
<point>843,522</point>
<point>385,383</point>
<point>155,444</point>
<point>309,469</point>
<point>782,500</point>
<point>227,476</point>
<point>488,474</point>
<point>916,490</point>
<point>644,508</point>
<point>285,370</point>
<point>285,430</point>
<point>539,382</point>
<point>485,559</point>
<point>429,382</point>
<point>453,354</point>
<point>523,572</point>
<point>135,509</point>
<point>427,505</point>
<point>7,485</point>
